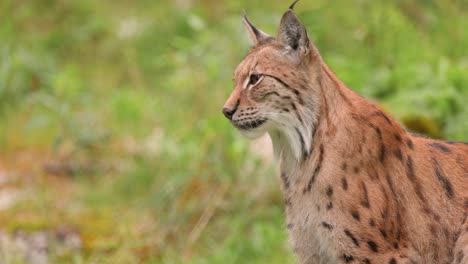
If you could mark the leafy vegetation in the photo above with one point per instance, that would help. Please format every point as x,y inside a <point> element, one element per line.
<point>111,116</point>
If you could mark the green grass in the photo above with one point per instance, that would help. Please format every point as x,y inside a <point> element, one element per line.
<point>125,97</point>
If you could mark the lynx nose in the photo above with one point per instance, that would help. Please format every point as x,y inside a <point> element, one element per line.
<point>229,112</point>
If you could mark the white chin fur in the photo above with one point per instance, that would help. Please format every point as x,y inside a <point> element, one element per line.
<point>253,133</point>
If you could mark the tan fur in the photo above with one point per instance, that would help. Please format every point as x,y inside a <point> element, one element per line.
<point>359,188</point>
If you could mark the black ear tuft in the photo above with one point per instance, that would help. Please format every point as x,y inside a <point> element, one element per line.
<point>257,36</point>
<point>291,7</point>
<point>292,33</point>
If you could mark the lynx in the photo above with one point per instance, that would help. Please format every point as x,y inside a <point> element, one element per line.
<point>357,187</point>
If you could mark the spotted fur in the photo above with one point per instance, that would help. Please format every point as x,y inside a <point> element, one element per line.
<point>389,196</point>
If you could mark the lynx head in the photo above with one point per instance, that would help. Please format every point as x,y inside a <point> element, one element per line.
<point>276,87</point>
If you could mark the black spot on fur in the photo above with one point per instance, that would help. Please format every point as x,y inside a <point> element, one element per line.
<point>378,131</point>
<point>348,258</point>
<point>398,137</point>
<point>398,154</point>
<point>367,261</point>
<point>344,166</point>
<point>329,205</point>
<point>327,225</point>
<point>329,191</point>
<point>372,246</point>
<point>383,232</point>
<point>372,222</point>
<point>356,170</point>
<point>356,215</point>
<point>296,92</point>
<point>409,142</point>
<point>285,180</point>
<point>290,226</point>
<point>385,212</point>
<point>355,241</point>
<point>441,147</point>
<point>392,261</point>
<point>344,183</point>
<point>396,245</point>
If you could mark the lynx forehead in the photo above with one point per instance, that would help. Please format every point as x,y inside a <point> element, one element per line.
<point>357,187</point>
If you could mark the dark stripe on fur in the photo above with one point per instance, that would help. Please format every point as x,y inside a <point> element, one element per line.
<point>303,147</point>
<point>355,241</point>
<point>390,184</point>
<point>296,92</point>
<point>378,131</point>
<point>365,200</point>
<point>444,181</point>
<point>415,181</point>
<point>418,190</point>
<point>285,179</point>
<point>318,166</point>
<point>382,152</point>
<point>297,113</point>
<point>440,147</point>
<point>344,183</point>
<point>381,114</point>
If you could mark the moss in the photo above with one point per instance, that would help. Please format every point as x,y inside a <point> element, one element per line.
<point>423,125</point>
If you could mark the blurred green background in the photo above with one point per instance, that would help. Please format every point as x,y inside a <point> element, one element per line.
<point>113,148</point>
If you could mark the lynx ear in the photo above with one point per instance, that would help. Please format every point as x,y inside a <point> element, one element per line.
<point>292,33</point>
<point>257,36</point>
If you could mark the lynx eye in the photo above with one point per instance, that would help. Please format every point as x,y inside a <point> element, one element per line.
<point>254,79</point>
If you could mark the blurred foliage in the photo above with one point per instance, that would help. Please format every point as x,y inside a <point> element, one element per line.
<point>126,96</point>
